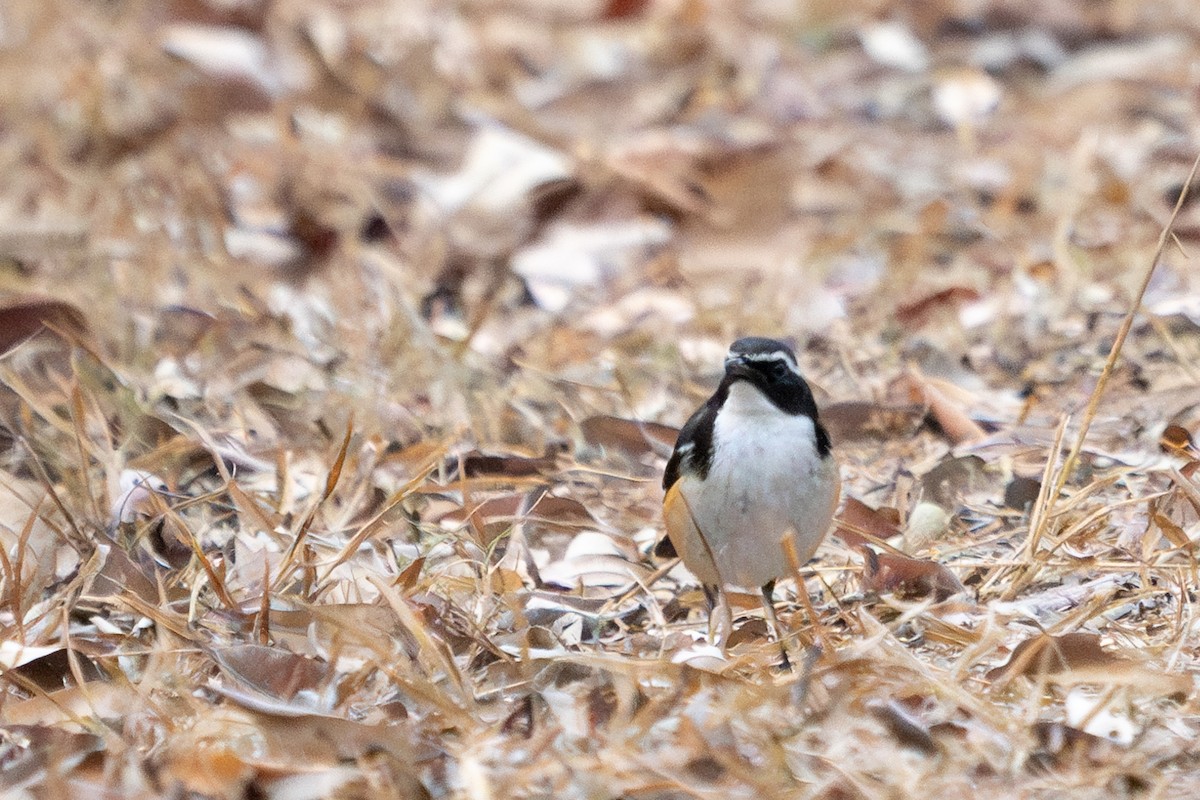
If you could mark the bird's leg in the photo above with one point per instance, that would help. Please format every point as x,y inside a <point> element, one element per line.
<point>820,635</point>
<point>768,601</point>
<point>719,616</point>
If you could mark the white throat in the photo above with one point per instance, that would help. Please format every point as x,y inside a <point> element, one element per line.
<point>745,400</point>
<point>751,429</point>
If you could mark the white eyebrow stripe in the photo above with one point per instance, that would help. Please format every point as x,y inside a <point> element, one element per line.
<point>777,355</point>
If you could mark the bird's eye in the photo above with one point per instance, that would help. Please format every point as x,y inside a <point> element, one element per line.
<point>779,370</point>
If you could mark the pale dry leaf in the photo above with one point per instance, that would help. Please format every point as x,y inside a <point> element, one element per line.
<point>225,52</point>
<point>892,44</point>
<point>1087,711</point>
<point>965,97</point>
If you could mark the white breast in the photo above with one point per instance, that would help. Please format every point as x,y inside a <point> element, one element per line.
<point>767,481</point>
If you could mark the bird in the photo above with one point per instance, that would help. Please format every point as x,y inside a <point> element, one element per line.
<point>752,468</point>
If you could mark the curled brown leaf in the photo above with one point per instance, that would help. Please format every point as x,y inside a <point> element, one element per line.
<point>907,577</point>
<point>1079,657</point>
<point>21,319</point>
<point>934,395</point>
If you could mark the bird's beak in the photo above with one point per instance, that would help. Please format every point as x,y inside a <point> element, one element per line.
<point>739,367</point>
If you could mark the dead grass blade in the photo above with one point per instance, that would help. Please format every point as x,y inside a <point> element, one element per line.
<point>77,539</point>
<point>331,481</point>
<point>14,584</point>
<point>1093,404</point>
<point>85,474</point>
<point>1038,519</point>
<point>430,648</point>
<point>262,625</point>
<point>215,579</point>
<point>368,528</point>
<point>176,623</point>
<point>39,402</point>
<point>246,504</point>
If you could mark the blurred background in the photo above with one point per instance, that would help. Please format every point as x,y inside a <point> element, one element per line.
<point>331,189</point>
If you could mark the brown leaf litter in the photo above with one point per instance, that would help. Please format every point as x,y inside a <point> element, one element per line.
<point>342,346</point>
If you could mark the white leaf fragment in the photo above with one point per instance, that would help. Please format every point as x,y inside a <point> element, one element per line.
<point>1089,712</point>
<point>892,44</point>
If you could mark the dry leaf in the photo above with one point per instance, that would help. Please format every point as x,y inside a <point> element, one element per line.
<point>274,681</point>
<point>908,729</point>
<point>477,463</point>
<point>633,437</point>
<point>853,420</point>
<point>906,577</point>
<point>31,754</point>
<point>1177,440</point>
<point>857,518</point>
<point>953,421</point>
<point>1079,658</point>
<point>918,312</point>
<point>21,319</point>
<point>1061,745</point>
<point>1051,655</point>
<point>1021,493</point>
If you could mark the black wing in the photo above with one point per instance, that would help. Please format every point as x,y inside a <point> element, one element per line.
<point>695,444</point>
<point>696,432</point>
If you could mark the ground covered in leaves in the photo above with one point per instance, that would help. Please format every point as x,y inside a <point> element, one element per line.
<point>343,342</point>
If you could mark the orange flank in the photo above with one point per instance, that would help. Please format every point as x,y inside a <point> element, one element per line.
<point>685,535</point>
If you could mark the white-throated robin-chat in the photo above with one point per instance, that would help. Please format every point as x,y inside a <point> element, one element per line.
<point>752,468</point>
